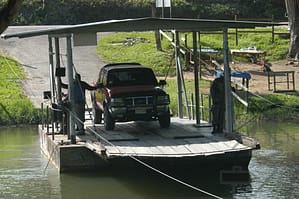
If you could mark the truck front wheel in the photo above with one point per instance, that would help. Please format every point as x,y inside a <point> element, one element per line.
<point>164,120</point>
<point>109,122</point>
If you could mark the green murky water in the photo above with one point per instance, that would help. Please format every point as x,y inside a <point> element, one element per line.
<point>25,172</point>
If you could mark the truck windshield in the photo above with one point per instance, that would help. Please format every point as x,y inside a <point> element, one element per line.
<point>131,77</point>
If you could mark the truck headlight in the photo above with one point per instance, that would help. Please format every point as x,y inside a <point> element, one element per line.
<point>163,99</point>
<point>117,102</point>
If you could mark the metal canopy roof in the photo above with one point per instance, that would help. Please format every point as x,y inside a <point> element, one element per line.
<point>144,24</point>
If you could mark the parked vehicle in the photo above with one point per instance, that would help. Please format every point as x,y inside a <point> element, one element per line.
<point>129,92</point>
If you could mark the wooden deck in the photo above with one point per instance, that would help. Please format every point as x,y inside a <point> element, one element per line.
<point>183,145</point>
<point>147,139</point>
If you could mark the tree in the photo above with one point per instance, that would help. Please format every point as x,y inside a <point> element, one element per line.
<point>292,7</point>
<point>8,12</point>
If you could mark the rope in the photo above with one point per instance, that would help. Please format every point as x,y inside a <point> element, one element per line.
<point>147,165</point>
<point>50,158</point>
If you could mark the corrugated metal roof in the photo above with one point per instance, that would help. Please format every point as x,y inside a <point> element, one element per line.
<point>144,24</point>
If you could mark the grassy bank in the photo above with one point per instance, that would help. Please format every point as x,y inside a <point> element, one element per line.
<point>117,48</point>
<point>15,107</point>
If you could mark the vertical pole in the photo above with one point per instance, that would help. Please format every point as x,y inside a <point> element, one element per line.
<point>227,86</point>
<point>51,70</point>
<point>273,31</point>
<point>47,119</point>
<point>70,77</point>
<point>57,53</point>
<point>199,55</point>
<point>163,4</point>
<point>236,36</point>
<point>59,95</point>
<point>293,77</point>
<point>274,82</point>
<point>178,72</point>
<point>52,123</point>
<point>210,105</point>
<point>170,10</point>
<point>42,115</point>
<point>192,106</point>
<point>196,80</point>
<point>288,83</point>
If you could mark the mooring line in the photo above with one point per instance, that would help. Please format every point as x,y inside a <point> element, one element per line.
<point>153,168</point>
<point>50,158</point>
<point>158,171</point>
<point>145,164</point>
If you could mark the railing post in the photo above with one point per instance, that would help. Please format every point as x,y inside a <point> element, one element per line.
<point>47,119</point>
<point>42,114</point>
<point>236,32</point>
<point>273,33</point>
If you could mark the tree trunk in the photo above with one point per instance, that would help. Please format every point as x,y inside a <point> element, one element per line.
<point>8,12</point>
<point>292,7</point>
<point>157,33</point>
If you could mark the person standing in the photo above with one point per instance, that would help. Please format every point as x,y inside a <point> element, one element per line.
<point>217,92</point>
<point>80,101</point>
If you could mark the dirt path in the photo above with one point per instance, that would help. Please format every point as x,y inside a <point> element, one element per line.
<point>32,53</point>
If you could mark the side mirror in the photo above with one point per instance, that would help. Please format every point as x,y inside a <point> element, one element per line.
<point>99,85</point>
<point>162,83</point>
<point>60,72</point>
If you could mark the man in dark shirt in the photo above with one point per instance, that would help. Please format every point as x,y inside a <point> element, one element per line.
<point>79,98</point>
<point>218,108</point>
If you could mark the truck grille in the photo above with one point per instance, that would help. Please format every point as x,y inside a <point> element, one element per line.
<point>139,101</point>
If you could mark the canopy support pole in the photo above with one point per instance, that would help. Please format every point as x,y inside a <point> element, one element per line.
<point>196,80</point>
<point>227,86</point>
<point>70,77</point>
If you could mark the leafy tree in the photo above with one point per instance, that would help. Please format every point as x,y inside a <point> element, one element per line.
<point>8,11</point>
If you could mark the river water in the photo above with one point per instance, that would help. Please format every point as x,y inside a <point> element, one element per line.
<point>26,173</point>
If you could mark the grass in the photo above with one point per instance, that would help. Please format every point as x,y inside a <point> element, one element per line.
<point>15,107</point>
<point>113,48</point>
<point>171,89</point>
<point>276,107</point>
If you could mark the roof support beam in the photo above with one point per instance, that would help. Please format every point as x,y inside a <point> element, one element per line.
<point>227,86</point>
<point>196,80</point>
<point>51,70</point>
<point>178,74</point>
<point>70,77</point>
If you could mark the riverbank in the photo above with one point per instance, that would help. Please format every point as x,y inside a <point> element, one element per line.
<point>15,106</point>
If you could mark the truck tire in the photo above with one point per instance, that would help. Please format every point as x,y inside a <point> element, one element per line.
<point>164,120</point>
<point>97,113</point>
<point>109,122</point>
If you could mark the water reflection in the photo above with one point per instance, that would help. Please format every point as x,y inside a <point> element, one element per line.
<point>138,184</point>
<point>274,168</point>
<point>273,172</point>
<point>22,166</point>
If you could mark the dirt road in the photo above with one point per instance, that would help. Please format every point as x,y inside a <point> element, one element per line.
<point>32,54</point>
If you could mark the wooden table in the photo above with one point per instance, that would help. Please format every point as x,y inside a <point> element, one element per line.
<point>254,54</point>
